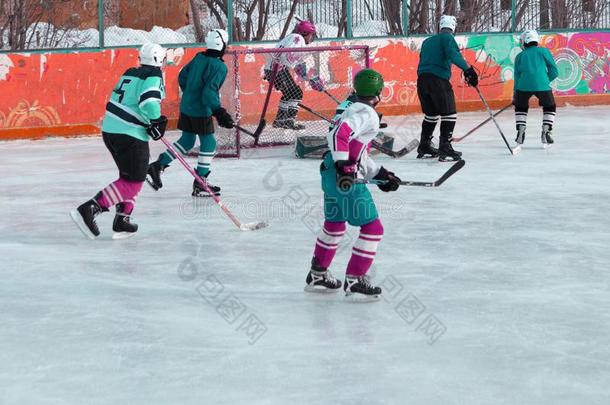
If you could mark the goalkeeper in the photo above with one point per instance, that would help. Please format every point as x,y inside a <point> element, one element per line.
<point>303,34</point>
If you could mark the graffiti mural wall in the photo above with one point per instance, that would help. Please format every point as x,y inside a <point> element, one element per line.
<point>65,93</point>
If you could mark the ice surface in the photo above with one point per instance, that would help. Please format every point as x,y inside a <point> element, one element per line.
<point>496,284</point>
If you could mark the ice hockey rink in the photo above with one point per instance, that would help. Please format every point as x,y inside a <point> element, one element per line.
<point>496,284</point>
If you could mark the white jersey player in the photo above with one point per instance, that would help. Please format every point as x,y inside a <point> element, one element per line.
<point>277,72</point>
<point>348,200</point>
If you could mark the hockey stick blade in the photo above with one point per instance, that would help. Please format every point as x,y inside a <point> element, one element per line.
<point>394,154</point>
<point>253,226</point>
<point>256,133</point>
<point>452,170</point>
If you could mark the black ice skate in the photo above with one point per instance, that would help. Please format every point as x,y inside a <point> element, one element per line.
<point>446,153</point>
<point>520,135</point>
<point>122,226</point>
<point>320,280</point>
<point>426,150</point>
<point>288,124</point>
<point>199,191</point>
<point>360,289</point>
<point>153,176</point>
<point>546,136</point>
<point>84,218</point>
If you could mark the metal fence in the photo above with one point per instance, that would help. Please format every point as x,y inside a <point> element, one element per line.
<point>67,24</point>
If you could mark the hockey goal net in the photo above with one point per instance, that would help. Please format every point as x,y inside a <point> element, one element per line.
<point>247,84</point>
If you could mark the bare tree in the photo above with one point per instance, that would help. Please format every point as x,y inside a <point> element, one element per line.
<point>27,25</point>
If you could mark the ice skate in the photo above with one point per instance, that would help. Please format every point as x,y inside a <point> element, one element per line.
<point>320,280</point>
<point>546,137</point>
<point>359,289</point>
<point>84,218</point>
<point>122,226</point>
<point>446,153</point>
<point>425,150</point>
<point>288,124</point>
<point>153,176</point>
<point>199,191</point>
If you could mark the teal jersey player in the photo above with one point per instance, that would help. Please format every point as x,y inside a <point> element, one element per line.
<point>134,102</point>
<point>133,114</point>
<point>435,92</point>
<point>534,69</point>
<point>200,81</point>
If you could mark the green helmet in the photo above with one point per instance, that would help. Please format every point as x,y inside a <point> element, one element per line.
<point>368,83</point>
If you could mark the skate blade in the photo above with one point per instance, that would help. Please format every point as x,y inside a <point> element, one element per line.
<point>449,160</point>
<point>78,220</point>
<point>122,235</point>
<point>516,149</point>
<point>355,298</point>
<point>320,289</point>
<point>427,156</point>
<point>546,145</point>
<point>152,185</point>
<point>205,195</point>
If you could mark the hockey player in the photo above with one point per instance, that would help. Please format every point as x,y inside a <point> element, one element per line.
<point>292,94</point>
<point>200,81</point>
<point>133,115</point>
<point>435,92</point>
<point>348,200</point>
<point>535,69</point>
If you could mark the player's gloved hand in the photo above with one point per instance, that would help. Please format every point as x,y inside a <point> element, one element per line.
<point>316,83</point>
<point>382,125</point>
<point>157,127</point>
<point>471,77</point>
<point>391,182</point>
<point>224,118</point>
<point>347,172</point>
<point>301,70</point>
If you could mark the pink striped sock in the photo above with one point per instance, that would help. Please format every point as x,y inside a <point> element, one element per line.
<point>327,242</point>
<point>120,191</point>
<point>365,248</point>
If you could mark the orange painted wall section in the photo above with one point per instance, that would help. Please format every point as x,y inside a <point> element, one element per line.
<point>65,93</point>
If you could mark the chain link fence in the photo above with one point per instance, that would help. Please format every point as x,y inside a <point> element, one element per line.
<point>67,24</point>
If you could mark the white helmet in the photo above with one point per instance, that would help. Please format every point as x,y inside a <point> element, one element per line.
<point>529,36</point>
<point>152,54</point>
<point>216,39</point>
<point>447,21</point>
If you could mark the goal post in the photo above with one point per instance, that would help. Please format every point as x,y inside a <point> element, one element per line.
<point>246,87</point>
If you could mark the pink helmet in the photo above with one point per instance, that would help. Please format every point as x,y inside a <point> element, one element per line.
<point>305,28</point>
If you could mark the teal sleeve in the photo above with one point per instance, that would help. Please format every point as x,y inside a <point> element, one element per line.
<point>550,65</point>
<point>151,94</point>
<point>453,52</point>
<point>516,73</point>
<point>211,90</point>
<point>183,76</point>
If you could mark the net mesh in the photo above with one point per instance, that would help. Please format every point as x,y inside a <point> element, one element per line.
<point>248,82</point>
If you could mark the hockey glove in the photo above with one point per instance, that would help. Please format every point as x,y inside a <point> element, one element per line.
<point>346,174</point>
<point>316,83</point>
<point>471,77</point>
<point>157,127</point>
<point>224,118</point>
<point>301,70</point>
<point>389,179</point>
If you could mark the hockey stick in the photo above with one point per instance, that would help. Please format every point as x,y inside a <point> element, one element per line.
<point>452,170</point>
<point>262,123</point>
<point>458,139</point>
<point>252,226</point>
<point>491,115</point>
<point>256,133</point>
<point>400,153</point>
<point>335,99</point>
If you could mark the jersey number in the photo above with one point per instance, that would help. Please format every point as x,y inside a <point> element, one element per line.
<point>120,90</point>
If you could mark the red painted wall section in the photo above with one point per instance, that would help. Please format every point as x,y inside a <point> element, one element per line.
<point>65,93</point>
